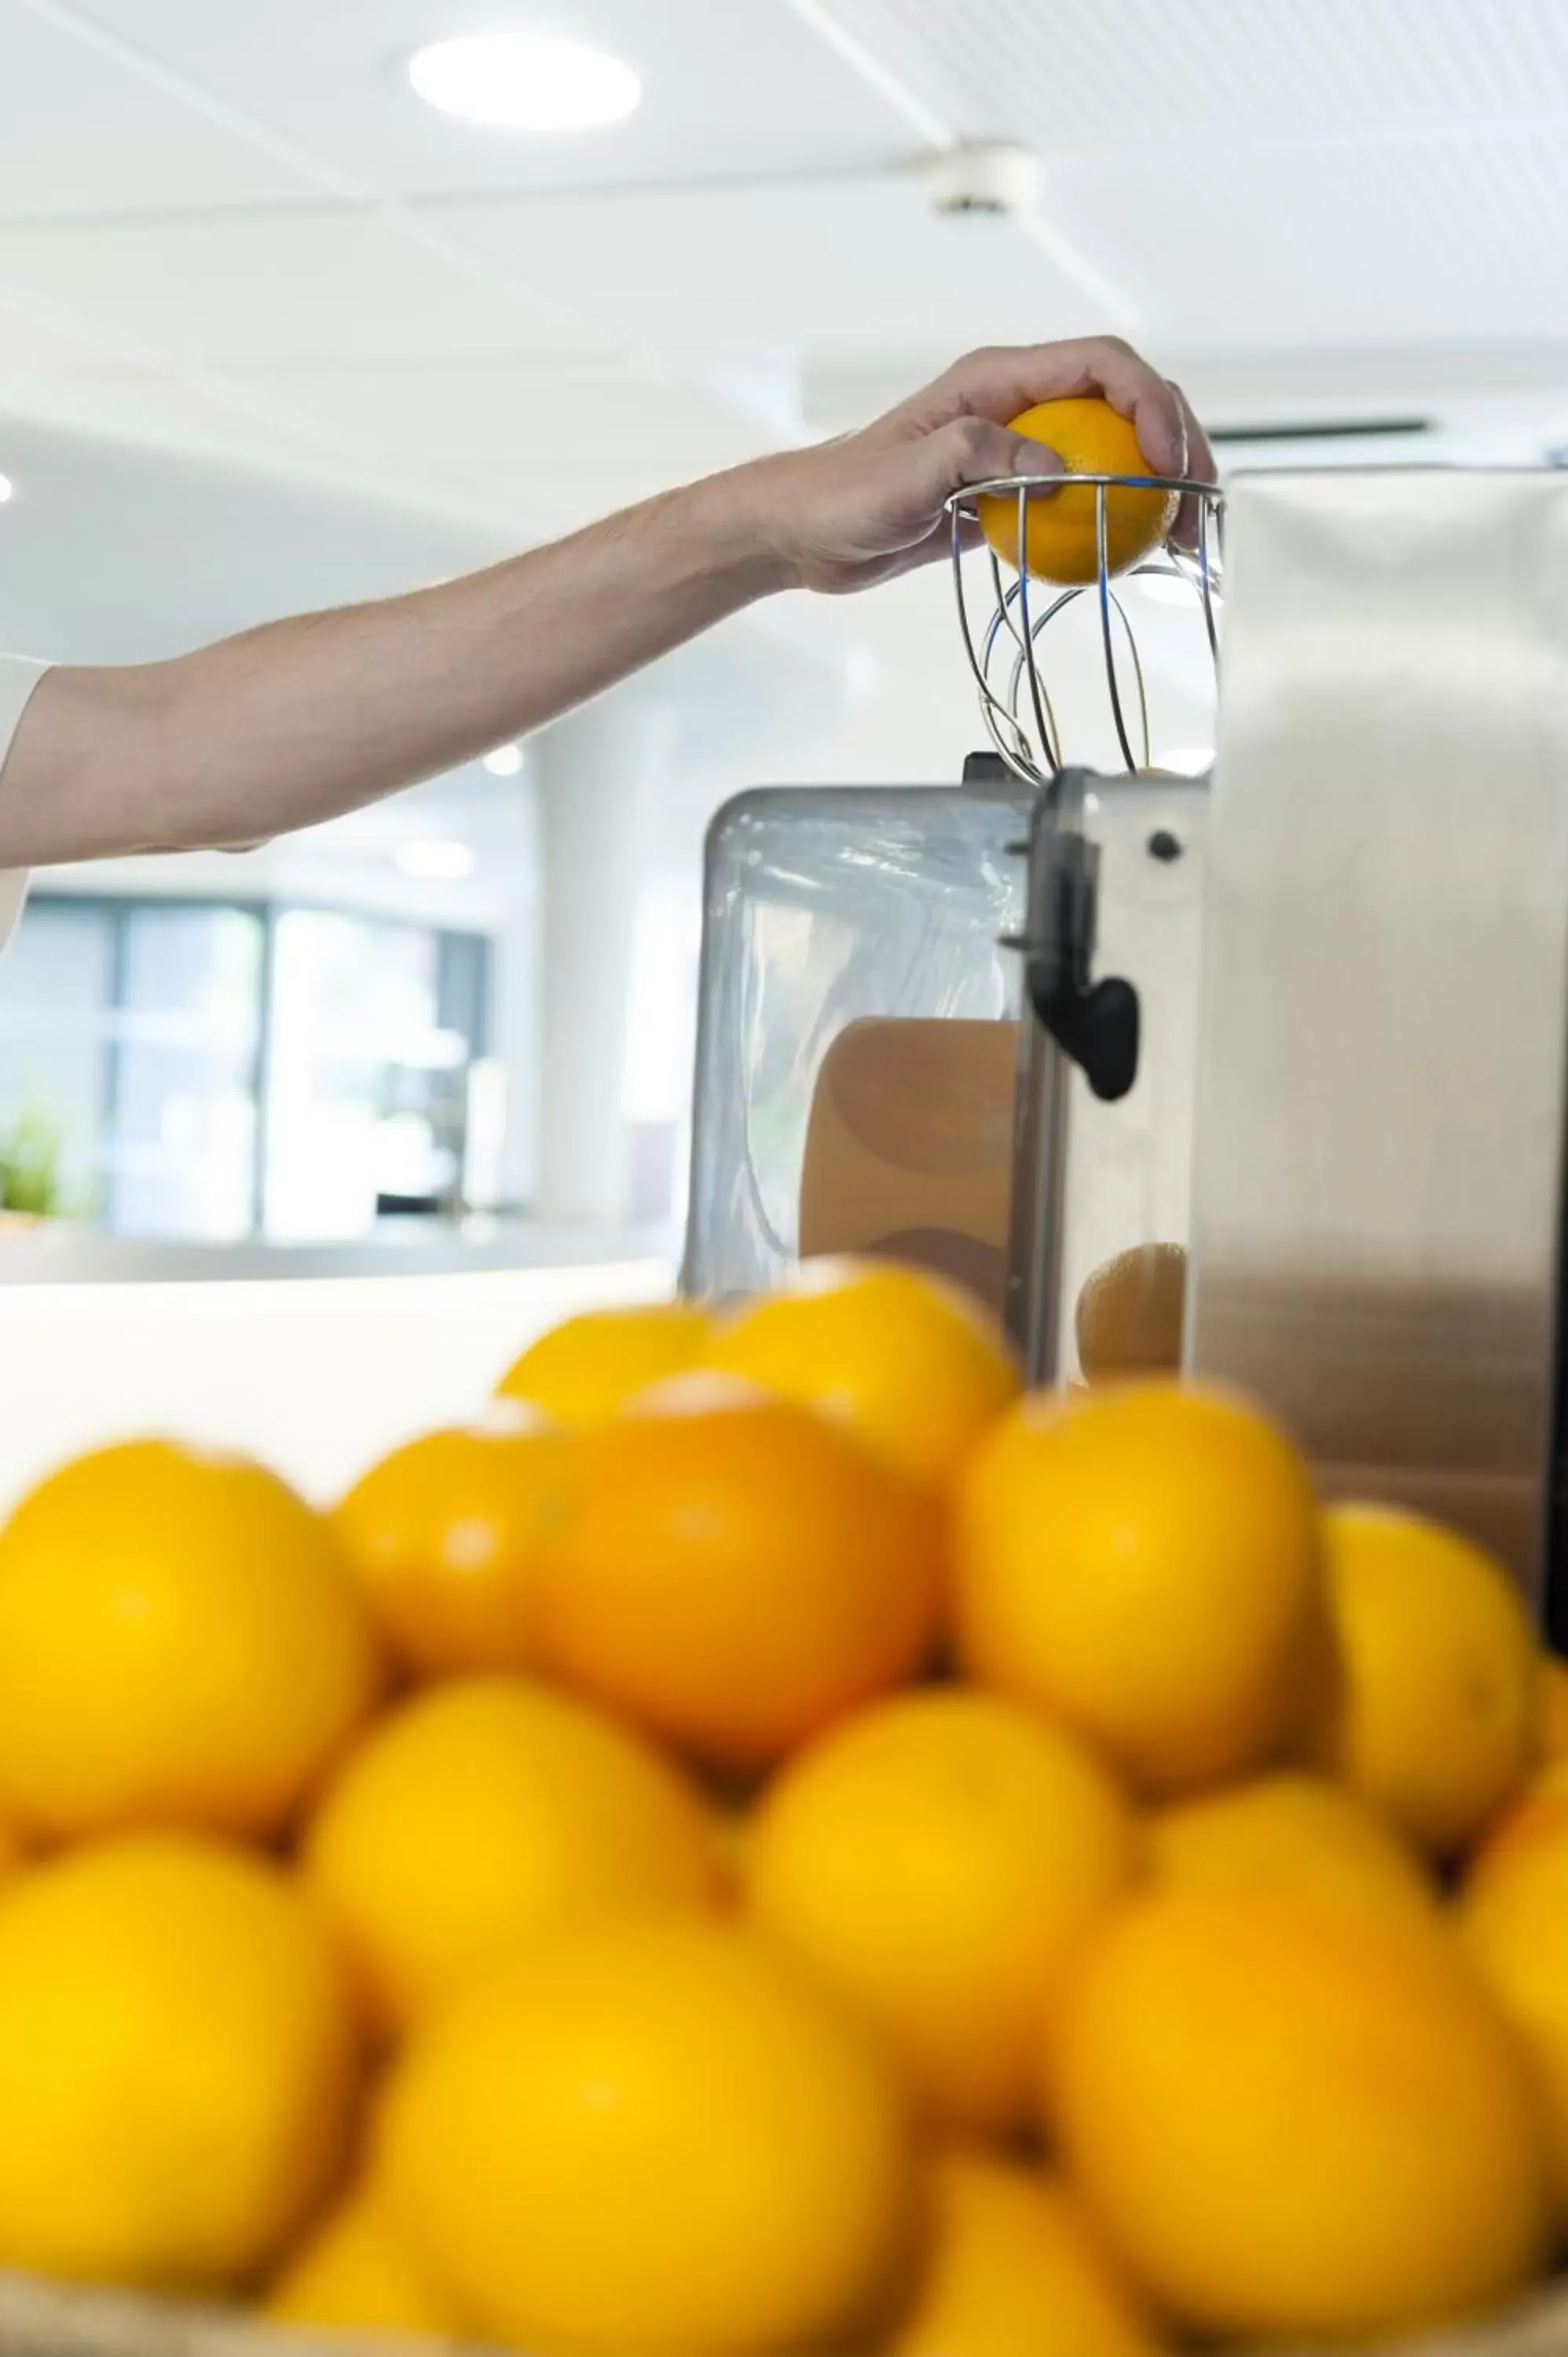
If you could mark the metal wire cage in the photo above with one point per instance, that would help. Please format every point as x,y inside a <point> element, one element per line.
<point>1007,653</point>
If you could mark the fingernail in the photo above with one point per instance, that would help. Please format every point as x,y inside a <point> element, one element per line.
<point>1035,457</point>
<point>1183,453</point>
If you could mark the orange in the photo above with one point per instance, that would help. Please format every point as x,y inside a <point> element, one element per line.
<point>1062,540</point>
<point>912,1366</point>
<point>1016,2270</point>
<point>585,1370</point>
<point>939,1860</point>
<point>489,1812</point>
<point>1143,1564</point>
<point>13,1853</point>
<point>736,1827</point>
<point>1514,1913</point>
<point>709,2159</point>
<point>1552,1707</point>
<point>735,1572</point>
<point>443,1536</point>
<point>1433,1713</point>
<point>1537,1811</point>
<point>177,2057</point>
<point>1295,2120</point>
<point>1129,1314</point>
<point>1288,1832</point>
<point>180,1645</point>
<point>353,2274</point>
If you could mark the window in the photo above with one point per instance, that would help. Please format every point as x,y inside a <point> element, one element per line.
<point>366,1101</point>
<point>217,1070</point>
<point>56,991</point>
<point>186,1033</point>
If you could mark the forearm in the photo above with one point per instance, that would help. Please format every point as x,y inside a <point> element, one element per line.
<point>289,725</point>
<point>293,723</point>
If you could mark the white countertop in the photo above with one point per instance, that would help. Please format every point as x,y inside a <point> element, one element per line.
<point>319,1371</point>
<point>62,1252</point>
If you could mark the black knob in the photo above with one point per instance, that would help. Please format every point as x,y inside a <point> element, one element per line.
<point>1097,1027</point>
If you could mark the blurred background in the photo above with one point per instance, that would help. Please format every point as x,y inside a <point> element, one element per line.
<point>276,333</point>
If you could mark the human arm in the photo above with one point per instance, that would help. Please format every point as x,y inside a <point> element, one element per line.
<point>299,720</point>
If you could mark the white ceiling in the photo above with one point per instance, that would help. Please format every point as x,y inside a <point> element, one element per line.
<point>231,229</point>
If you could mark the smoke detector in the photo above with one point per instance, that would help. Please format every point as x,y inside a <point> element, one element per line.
<point>984,178</point>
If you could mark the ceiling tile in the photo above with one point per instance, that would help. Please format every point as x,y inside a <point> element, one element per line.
<point>114,554</point>
<point>158,410</point>
<point>313,285</point>
<point>856,266</point>
<point>1438,242</point>
<point>726,90</point>
<point>567,440</point>
<point>1082,75</point>
<point>80,133</point>
<point>30,340</point>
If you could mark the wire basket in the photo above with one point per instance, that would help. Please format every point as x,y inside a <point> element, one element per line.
<point>1007,654</point>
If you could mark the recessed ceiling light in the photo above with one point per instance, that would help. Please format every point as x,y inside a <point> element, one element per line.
<point>436,863</point>
<point>8,489</point>
<point>505,761</point>
<point>525,81</point>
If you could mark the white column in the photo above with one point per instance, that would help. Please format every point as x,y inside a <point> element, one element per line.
<point>604,780</point>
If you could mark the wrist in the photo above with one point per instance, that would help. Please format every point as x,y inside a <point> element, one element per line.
<point>740,524</point>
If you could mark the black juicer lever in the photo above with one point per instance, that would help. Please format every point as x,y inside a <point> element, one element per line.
<point>1095,1023</point>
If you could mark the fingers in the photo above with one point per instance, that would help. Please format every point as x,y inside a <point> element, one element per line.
<point>998,384</point>
<point>900,514</point>
<point>1200,468</point>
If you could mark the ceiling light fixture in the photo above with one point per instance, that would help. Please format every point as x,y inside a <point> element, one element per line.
<point>524,81</point>
<point>506,761</point>
<point>435,863</point>
<point>8,489</point>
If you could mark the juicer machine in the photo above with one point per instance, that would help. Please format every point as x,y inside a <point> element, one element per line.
<point>1304,1015</point>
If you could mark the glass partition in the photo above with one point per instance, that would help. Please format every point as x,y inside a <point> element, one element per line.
<point>212,1072</point>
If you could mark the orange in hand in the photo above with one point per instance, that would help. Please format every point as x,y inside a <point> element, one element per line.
<point>1063,540</point>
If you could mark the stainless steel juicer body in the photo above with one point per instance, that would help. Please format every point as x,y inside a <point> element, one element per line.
<point>1307,1017</point>
<point>1378,1154</point>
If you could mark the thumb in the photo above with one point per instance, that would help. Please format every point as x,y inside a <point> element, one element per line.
<point>977,450</point>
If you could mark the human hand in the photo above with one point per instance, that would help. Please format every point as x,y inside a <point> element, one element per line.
<point>871,505</point>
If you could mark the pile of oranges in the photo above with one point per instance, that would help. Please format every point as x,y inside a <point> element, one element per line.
<point>774,1841</point>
